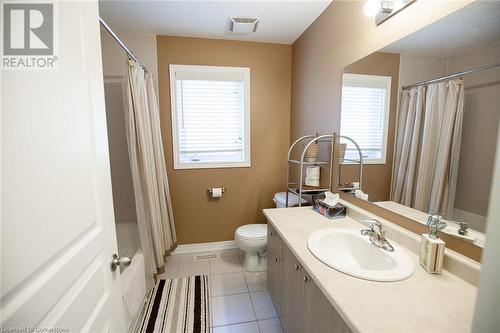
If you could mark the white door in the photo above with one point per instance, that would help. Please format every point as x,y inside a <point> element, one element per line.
<point>57,223</point>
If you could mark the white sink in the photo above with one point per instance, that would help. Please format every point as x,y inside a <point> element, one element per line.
<point>351,253</point>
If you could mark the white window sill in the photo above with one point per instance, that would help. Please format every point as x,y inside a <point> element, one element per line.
<point>366,162</point>
<point>211,165</point>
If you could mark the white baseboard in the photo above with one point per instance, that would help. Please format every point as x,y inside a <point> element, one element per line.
<point>205,247</point>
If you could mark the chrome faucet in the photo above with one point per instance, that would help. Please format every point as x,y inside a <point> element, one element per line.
<point>435,224</point>
<point>377,234</point>
<point>464,226</point>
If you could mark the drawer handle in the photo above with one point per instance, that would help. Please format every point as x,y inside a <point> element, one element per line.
<point>306,278</point>
<point>297,267</point>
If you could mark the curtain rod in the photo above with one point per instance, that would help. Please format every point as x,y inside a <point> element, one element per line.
<point>123,46</point>
<point>451,76</point>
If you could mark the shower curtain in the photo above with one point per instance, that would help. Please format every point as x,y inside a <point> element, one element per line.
<point>428,146</point>
<point>152,196</point>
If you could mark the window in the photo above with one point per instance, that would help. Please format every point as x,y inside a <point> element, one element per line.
<point>365,115</point>
<point>210,116</point>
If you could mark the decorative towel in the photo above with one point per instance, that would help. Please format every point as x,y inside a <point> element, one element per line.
<point>312,176</point>
<point>178,305</point>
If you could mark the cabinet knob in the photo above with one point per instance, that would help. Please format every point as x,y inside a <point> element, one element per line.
<point>276,260</point>
<point>297,267</point>
<point>306,278</point>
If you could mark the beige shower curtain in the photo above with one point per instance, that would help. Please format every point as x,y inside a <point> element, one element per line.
<point>428,146</point>
<point>152,195</point>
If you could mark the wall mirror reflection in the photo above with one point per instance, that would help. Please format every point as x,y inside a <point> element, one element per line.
<point>425,114</point>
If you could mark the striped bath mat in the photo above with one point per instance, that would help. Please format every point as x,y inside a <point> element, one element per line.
<point>176,306</point>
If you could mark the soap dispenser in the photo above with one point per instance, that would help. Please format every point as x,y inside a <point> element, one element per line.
<point>432,247</point>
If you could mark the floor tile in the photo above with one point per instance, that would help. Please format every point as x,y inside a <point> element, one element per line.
<point>193,267</point>
<point>232,309</point>
<point>238,328</point>
<point>228,284</point>
<point>256,281</point>
<point>263,305</point>
<point>270,326</point>
<point>225,265</point>
<point>171,270</point>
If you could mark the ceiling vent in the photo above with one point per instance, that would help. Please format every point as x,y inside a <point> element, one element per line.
<point>243,25</point>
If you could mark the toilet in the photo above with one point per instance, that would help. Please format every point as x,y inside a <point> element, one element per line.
<point>252,238</point>
<point>280,200</point>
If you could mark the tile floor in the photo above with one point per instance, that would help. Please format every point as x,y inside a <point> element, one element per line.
<point>239,299</point>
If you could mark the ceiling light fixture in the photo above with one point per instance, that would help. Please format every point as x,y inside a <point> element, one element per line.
<point>383,9</point>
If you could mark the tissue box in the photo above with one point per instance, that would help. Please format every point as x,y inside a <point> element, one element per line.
<point>332,212</point>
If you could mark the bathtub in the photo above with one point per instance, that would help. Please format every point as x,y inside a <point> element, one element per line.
<point>133,278</point>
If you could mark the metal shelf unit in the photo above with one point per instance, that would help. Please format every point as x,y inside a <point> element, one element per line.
<point>360,162</point>
<point>300,188</point>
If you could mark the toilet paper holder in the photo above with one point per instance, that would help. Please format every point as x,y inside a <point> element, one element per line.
<point>209,191</point>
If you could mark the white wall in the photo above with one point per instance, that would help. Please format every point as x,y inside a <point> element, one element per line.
<point>413,69</point>
<point>114,67</point>
<point>486,318</point>
<point>141,44</point>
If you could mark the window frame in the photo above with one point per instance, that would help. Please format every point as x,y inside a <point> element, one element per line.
<point>377,81</point>
<point>215,72</point>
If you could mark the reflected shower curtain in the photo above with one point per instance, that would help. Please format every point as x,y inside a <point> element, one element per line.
<point>428,146</point>
<point>152,195</point>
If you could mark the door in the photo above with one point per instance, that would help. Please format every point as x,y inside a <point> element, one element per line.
<point>292,290</point>
<point>274,266</point>
<point>58,234</point>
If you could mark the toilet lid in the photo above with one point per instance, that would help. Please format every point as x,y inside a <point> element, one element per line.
<point>252,231</point>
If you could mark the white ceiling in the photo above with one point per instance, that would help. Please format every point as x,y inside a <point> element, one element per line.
<point>280,21</point>
<point>470,28</point>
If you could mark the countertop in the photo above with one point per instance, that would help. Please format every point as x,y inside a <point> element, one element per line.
<point>422,303</point>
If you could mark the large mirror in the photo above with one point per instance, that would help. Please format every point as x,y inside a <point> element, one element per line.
<point>423,113</point>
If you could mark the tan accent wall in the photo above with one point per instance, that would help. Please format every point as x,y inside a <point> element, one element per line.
<point>377,177</point>
<point>198,218</point>
<point>340,36</point>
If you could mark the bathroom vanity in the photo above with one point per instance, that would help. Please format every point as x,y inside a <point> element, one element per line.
<point>309,296</point>
<point>300,304</point>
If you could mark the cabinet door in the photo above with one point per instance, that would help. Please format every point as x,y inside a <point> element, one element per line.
<point>291,292</point>
<point>318,315</point>
<point>274,266</point>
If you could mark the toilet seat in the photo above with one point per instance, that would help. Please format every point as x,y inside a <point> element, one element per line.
<point>252,231</point>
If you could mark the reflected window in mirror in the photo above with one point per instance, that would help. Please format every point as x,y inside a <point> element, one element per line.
<point>365,115</point>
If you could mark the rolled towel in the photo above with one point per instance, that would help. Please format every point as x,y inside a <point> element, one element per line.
<point>361,195</point>
<point>313,172</point>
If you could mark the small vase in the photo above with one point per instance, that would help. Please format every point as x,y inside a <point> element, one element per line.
<point>342,149</point>
<point>312,153</point>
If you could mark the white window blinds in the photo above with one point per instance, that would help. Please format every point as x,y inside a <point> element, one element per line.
<point>211,117</point>
<point>365,113</point>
